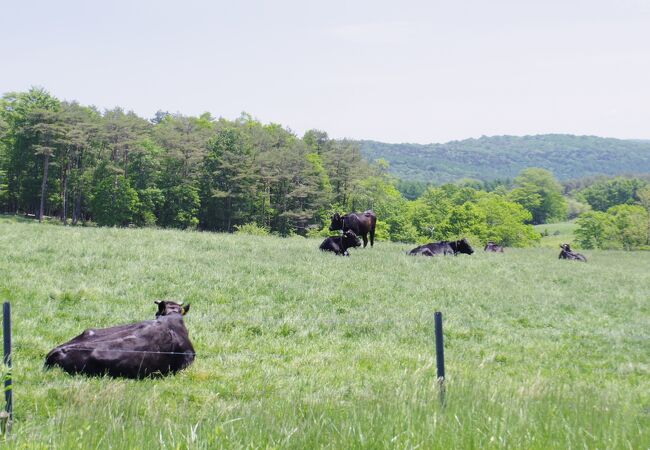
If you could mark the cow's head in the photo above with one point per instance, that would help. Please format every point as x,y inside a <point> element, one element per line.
<point>166,307</point>
<point>463,246</point>
<point>337,222</point>
<point>565,247</point>
<point>350,239</point>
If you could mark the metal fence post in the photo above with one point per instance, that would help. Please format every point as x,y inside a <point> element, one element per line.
<point>6,333</point>
<point>440,355</point>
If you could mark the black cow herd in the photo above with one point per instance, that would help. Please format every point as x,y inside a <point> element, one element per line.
<point>443,248</point>
<point>162,346</point>
<point>355,224</point>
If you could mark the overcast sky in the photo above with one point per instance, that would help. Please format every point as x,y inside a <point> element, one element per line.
<point>407,71</point>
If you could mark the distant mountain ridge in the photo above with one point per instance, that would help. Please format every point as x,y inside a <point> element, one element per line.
<point>567,156</point>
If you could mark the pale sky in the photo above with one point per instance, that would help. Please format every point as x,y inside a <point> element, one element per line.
<point>407,71</point>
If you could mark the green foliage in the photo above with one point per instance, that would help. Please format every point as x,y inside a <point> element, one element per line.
<point>539,192</point>
<point>621,227</point>
<point>114,202</point>
<point>4,192</point>
<point>412,189</point>
<point>631,222</point>
<point>152,202</point>
<point>463,220</point>
<point>316,232</point>
<point>175,171</point>
<point>251,229</point>
<point>451,212</point>
<point>575,208</point>
<point>499,157</point>
<point>30,137</point>
<point>382,231</point>
<point>181,207</point>
<point>644,197</point>
<point>227,180</point>
<point>505,222</point>
<point>318,171</point>
<point>317,141</point>
<point>611,192</point>
<point>595,229</point>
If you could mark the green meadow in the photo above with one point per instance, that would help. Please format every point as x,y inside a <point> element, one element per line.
<point>555,234</point>
<point>301,349</point>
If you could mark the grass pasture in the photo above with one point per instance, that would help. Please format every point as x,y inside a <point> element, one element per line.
<point>299,349</point>
<point>555,234</point>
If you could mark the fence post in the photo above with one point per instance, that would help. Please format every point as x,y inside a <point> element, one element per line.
<point>440,356</point>
<point>9,394</point>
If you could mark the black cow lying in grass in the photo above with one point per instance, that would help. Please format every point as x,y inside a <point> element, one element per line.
<point>443,248</point>
<point>492,247</point>
<point>567,253</point>
<point>361,223</point>
<point>341,244</point>
<point>150,348</point>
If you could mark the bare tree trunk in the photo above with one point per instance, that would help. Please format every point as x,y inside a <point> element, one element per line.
<point>264,206</point>
<point>64,217</point>
<point>229,209</point>
<point>76,208</point>
<point>44,187</point>
<point>76,212</point>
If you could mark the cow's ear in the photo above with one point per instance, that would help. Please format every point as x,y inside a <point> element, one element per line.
<point>185,309</point>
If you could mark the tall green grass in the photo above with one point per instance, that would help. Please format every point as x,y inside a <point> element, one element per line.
<point>301,349</point>
<point>555,234</point>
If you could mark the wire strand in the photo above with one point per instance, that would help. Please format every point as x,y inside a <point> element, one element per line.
<point>128,351</point>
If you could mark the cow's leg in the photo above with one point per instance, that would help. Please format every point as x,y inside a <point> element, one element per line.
<point>372,237</point>
<point>365,240</point>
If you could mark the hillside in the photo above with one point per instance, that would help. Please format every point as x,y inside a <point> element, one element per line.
<point>567,156</point>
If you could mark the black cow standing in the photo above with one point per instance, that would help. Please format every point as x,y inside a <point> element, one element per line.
<point>341,244</point>
<point>361,223</point>
<point>492,247</point>
<point>567,253</point>
<point>443,248</point>
<point>150,348</point>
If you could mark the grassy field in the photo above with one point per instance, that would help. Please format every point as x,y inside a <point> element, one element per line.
<point>300,349</point>
<point>554,234</point>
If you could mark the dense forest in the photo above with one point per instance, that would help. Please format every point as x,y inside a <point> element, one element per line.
<point>488,158</point>
<point>73,164</point>
<point>114,168</point>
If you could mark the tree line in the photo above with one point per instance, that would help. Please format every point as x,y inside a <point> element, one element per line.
<point>617,214</point>
<point>114,168</point>
<point>80,165</point>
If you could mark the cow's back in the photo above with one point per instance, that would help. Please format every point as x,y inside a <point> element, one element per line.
<point>440,248</point>
<point>433,248</point>
<point>137,350</point>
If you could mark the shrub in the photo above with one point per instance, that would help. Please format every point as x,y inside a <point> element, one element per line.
<point>252,229</point>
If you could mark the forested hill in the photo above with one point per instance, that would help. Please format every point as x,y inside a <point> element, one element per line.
<point>567,156</point>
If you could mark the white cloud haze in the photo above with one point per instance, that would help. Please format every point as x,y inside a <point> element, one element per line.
<point>396,72</point>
